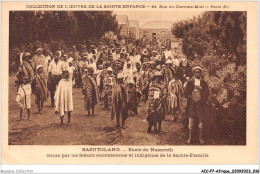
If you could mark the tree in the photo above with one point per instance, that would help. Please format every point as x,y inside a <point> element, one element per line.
<point>181,27</point>
<point>216,41</point>
<point>69,26</point>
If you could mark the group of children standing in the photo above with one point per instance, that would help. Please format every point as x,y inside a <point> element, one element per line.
<point>33,79</point>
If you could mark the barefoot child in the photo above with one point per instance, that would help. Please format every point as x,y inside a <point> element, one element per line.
<point>24,97</point>
<point>39,86</point>
<point>63,97</point>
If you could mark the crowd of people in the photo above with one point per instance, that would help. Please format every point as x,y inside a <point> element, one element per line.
<point>118,74</point>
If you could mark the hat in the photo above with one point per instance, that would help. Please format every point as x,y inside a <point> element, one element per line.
<point>86,70</point>
<point>26,54</point>
<point>197,67</point>
<point>120,75</point>
<point>137,63</point>
<point>109,69</point>
<point>168,61</point>
<point>39,66</point>
<point>157,74</point>
<point>39,49</point>
<point>131,81</point>
<point>90,69</point>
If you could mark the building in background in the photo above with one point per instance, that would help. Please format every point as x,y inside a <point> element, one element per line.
<point>134,29</point>
<point>158,29</point>
<point>123,23</point>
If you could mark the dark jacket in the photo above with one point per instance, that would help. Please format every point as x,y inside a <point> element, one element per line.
<point>195,109</point>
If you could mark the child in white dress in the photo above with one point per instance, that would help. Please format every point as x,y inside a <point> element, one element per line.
<point>24,97</point>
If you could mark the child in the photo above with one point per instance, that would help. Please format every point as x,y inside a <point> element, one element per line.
<point>24,97</point>
<point>63,97</point>
<point>39,86</point>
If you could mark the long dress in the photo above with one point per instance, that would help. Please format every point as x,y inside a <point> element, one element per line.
<point>63,97</point>
<point>90,91</point>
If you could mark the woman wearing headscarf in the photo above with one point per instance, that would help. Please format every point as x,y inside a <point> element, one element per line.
<point>184,71</point>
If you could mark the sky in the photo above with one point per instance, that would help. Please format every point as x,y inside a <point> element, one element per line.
<point>146,16</point>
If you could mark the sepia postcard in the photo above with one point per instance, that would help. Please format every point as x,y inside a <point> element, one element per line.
<point>129,82</point>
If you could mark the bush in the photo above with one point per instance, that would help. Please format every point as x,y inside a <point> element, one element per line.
<point>216,41</point>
